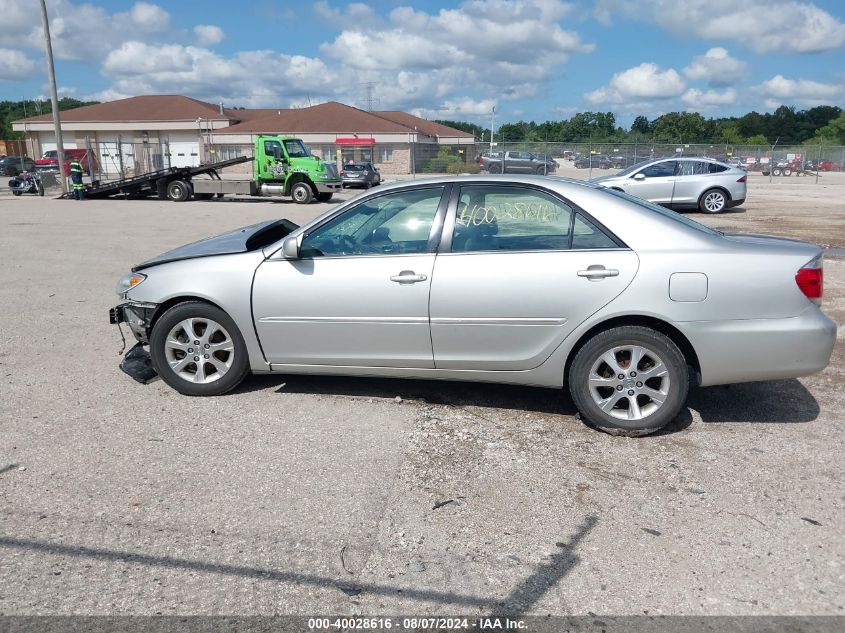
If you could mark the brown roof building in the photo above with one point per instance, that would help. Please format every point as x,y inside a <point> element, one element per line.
<point>184,131</point>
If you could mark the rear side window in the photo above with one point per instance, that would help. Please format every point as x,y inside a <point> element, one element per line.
<point>498,218</point>
<point>587,236</point>
<point>716,168</point>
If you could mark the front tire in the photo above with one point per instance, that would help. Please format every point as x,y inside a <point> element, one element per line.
<point>713,201</point>
<point>301,193</point>
<point>651,391</point>
<point>198,350</point>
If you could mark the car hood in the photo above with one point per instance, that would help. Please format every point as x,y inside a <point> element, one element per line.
<point>243,240</point>
<point>601,179</point>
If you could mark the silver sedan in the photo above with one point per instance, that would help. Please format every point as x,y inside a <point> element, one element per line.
<point>683,183</point>
<point>526,280</point>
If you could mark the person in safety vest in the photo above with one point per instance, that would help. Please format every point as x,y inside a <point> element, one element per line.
<point>76,179</point>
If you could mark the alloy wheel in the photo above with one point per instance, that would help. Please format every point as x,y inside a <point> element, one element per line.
<point>629,382</point>
<point>714,201</point>
<point>199,350</point>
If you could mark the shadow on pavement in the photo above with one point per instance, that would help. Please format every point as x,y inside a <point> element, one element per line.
<point>522,597</point>
<point>783,401</point>
<point>430,391</point>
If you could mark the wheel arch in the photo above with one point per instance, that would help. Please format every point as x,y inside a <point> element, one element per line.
<point>298,177</point>
<point>174,301</point>
<point>717,187</point>
<point>659,325</point>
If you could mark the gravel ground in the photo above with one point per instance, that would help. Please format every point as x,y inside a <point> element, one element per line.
<point>313,495</point>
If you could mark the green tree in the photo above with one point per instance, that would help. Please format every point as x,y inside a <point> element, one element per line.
<point>685,127</point>
<point>757,139</point>
<point>833,133</point>
<point>641,125</point>
<point>14,110</point>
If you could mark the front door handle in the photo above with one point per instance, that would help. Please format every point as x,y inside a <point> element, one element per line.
<point>408,277</point>
<point>597,272</point>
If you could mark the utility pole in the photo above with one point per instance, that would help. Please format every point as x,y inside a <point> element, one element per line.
<point>492,123</point>
<point>54,97</point>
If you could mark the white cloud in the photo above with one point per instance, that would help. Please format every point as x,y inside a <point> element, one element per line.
<point>779,90</point>
<point>646,81</point>
<point>209,34</point>
<point>762,25</point>
<point>14,65</point>
<point>142,68</point>
<point>698,100</point>
<point>459,107</point>
<point>716,67</point>
<point>149,17</point>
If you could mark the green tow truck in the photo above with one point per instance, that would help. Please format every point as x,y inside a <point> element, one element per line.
<point>281,166</point>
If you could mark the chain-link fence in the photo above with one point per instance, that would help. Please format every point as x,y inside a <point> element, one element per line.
<point>817,161</point>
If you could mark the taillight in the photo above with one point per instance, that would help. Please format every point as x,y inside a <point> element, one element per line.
<point>810,280</point>
<point>743,179</point>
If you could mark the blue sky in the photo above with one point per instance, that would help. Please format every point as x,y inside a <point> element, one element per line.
<point>530,59</point>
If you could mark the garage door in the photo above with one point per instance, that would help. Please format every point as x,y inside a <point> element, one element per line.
<point>184,154</point>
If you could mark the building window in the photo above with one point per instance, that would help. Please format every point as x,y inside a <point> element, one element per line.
<point>385,153</point>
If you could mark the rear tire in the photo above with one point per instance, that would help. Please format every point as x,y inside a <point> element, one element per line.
<point>713,201</point>
<point>178,191</point>
<point>301,193</point>
<point>193,369</point>
<point>16,193</point>
<point>629,405</point>
<point>787,172</point>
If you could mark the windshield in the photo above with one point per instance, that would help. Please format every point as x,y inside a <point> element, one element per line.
<point>51,154</point>
<point>630,170</point>
<point>666,213</point>
<point>354,168</point>
<point>296,149</point>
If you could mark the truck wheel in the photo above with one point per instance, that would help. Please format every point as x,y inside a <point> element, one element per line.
<point>787,172</point>
<point>178,191</point>
<point>301,193</point>
<point>495,169</point>
<point>776,171</point>
<point>324,197</point>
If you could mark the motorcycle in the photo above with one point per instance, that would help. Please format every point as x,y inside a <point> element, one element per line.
<point>27,182</point>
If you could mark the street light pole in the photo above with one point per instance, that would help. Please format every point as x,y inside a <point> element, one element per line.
<point>492,123</point>
<point>54,97</point>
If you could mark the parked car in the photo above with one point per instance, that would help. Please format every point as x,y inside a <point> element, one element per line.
<point>13,165</point>
<point>50,161</point>
<point>823,165</point>
<point>507,279</point>
<point>682,183</point>
<point>596,161</point>
<point>517,163</point>
<point>360,175</point>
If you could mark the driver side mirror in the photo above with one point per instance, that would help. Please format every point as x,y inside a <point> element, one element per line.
<point>290,248</point>
<point>639,176</point>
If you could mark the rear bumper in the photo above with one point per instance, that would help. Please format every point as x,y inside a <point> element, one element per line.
<point>761,349</point>
<point>734,203</point>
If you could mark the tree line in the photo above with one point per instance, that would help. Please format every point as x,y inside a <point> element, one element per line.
<point>14,110</point>
<point>786,126</point>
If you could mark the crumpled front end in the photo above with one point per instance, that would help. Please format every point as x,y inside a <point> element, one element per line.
<point>137,315</point>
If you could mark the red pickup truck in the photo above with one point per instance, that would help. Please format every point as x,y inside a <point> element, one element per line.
<point>50,161</point>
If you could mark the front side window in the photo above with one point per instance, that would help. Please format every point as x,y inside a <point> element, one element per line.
<point>272,148</point>
<point>501,218</point>
<point>660,170</point>
<point>295,148</point>
<point>394,224</point>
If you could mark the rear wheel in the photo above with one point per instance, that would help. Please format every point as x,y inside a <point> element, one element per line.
<point>495,169</point>
<point>787,172</point>
<point>16,193</point>
<point>198,350</point>
<point>301,193</point>
<point>629,380</point>
<point>178,191</point>
<point>713,201</point>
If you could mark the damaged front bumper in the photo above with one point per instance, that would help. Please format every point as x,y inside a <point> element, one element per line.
<point>137,315</point>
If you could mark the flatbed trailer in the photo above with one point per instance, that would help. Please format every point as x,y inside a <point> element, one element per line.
<point>175,183</point>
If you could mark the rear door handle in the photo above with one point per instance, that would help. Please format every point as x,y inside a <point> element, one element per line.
<point>597,272</point>
<point>408,277</point>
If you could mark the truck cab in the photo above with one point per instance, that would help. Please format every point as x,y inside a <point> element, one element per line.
<point>284,166</point>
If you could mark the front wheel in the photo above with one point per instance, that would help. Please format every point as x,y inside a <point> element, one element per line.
<point>301,193</point>
<point>713,201</point>
<point>198,350</point>
<point>629,380</point>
